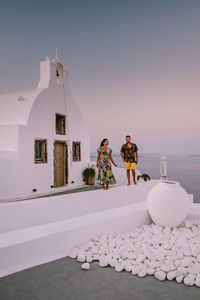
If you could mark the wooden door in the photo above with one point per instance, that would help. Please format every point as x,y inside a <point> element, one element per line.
<point>66,164</point>
<point>59,163</point>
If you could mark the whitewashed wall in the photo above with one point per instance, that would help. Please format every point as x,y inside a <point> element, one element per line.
<point>18,173</point>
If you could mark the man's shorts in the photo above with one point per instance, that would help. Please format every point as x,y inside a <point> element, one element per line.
<point>130,165</point>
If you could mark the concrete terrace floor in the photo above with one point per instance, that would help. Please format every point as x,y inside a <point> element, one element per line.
<point>85,188</point>
<point>64,279</point>
<point>80,189</point>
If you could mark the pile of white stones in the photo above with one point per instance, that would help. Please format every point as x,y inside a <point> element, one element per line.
<point>166,253</point>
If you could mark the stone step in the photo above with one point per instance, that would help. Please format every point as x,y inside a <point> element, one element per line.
<point>28,247</point>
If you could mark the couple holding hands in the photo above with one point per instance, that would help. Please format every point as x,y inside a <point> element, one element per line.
<point>129,154</point>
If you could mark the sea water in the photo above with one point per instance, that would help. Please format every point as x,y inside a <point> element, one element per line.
<point>182,168</point>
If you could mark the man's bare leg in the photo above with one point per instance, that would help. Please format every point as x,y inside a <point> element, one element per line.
<point>128,176</point>
<point>133,173</point>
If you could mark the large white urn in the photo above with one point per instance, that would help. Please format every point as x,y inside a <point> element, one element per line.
<point>168,203</point>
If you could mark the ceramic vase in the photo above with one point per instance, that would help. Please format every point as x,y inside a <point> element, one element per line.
<point>168,203</point>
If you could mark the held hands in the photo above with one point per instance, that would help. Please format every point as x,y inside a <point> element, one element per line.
<point>115,164</point>
<point>97,165</point>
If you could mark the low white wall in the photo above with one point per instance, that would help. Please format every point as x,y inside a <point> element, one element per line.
<point>194,212</point>
<point>41,230</point>
<point>28,213</point>
<point>32,246</point>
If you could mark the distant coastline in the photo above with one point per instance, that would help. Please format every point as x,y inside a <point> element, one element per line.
<point>155,154</point>
<point>184,168</point>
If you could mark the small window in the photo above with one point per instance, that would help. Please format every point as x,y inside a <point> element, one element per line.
<point>59,70</point>
<point>60,124</point>
<point>76,149</point>
<point>40,151</point>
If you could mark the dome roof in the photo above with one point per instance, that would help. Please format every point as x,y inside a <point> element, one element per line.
<point>15,107</point>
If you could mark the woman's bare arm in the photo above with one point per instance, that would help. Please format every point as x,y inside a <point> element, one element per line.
<point>98,159</point>
<point>112,160</point>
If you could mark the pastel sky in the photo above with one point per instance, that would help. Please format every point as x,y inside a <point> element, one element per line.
<point>134,65</point>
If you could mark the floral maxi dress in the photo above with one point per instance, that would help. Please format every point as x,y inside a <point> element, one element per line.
<point>105,174</point>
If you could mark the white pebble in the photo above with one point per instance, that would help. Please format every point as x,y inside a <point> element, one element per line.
<point>189,280</point>
<point>150,271</point>
<point>135,270</point>
<point>165,268</point>
<point>171,275</point>
<point>112,262</point>
<point>74,253</point>
<point>179,278</point>
<point>142,273</point>
<point>103,262</point>
<point>81,257</point>
<point>118,268</point>
<point>160,275</point>
<point>197,280</point>
<point>85,266</point>
<point>96,257</point>
<point>140,258</point>
<point>89,259</point>
<point>128,268</point>
<point>168,253</point>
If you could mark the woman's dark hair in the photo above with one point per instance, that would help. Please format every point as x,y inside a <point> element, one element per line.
<point>102,142</point>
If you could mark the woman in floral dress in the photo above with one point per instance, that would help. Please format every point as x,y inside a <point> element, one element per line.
<point>104,159</point>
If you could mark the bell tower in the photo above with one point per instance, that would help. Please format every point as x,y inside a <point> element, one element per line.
<point>53,72</point>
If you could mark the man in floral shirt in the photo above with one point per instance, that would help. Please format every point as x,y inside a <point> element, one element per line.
<point>129,154</point>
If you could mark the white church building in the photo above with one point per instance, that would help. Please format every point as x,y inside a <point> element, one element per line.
<point>44,145</point>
